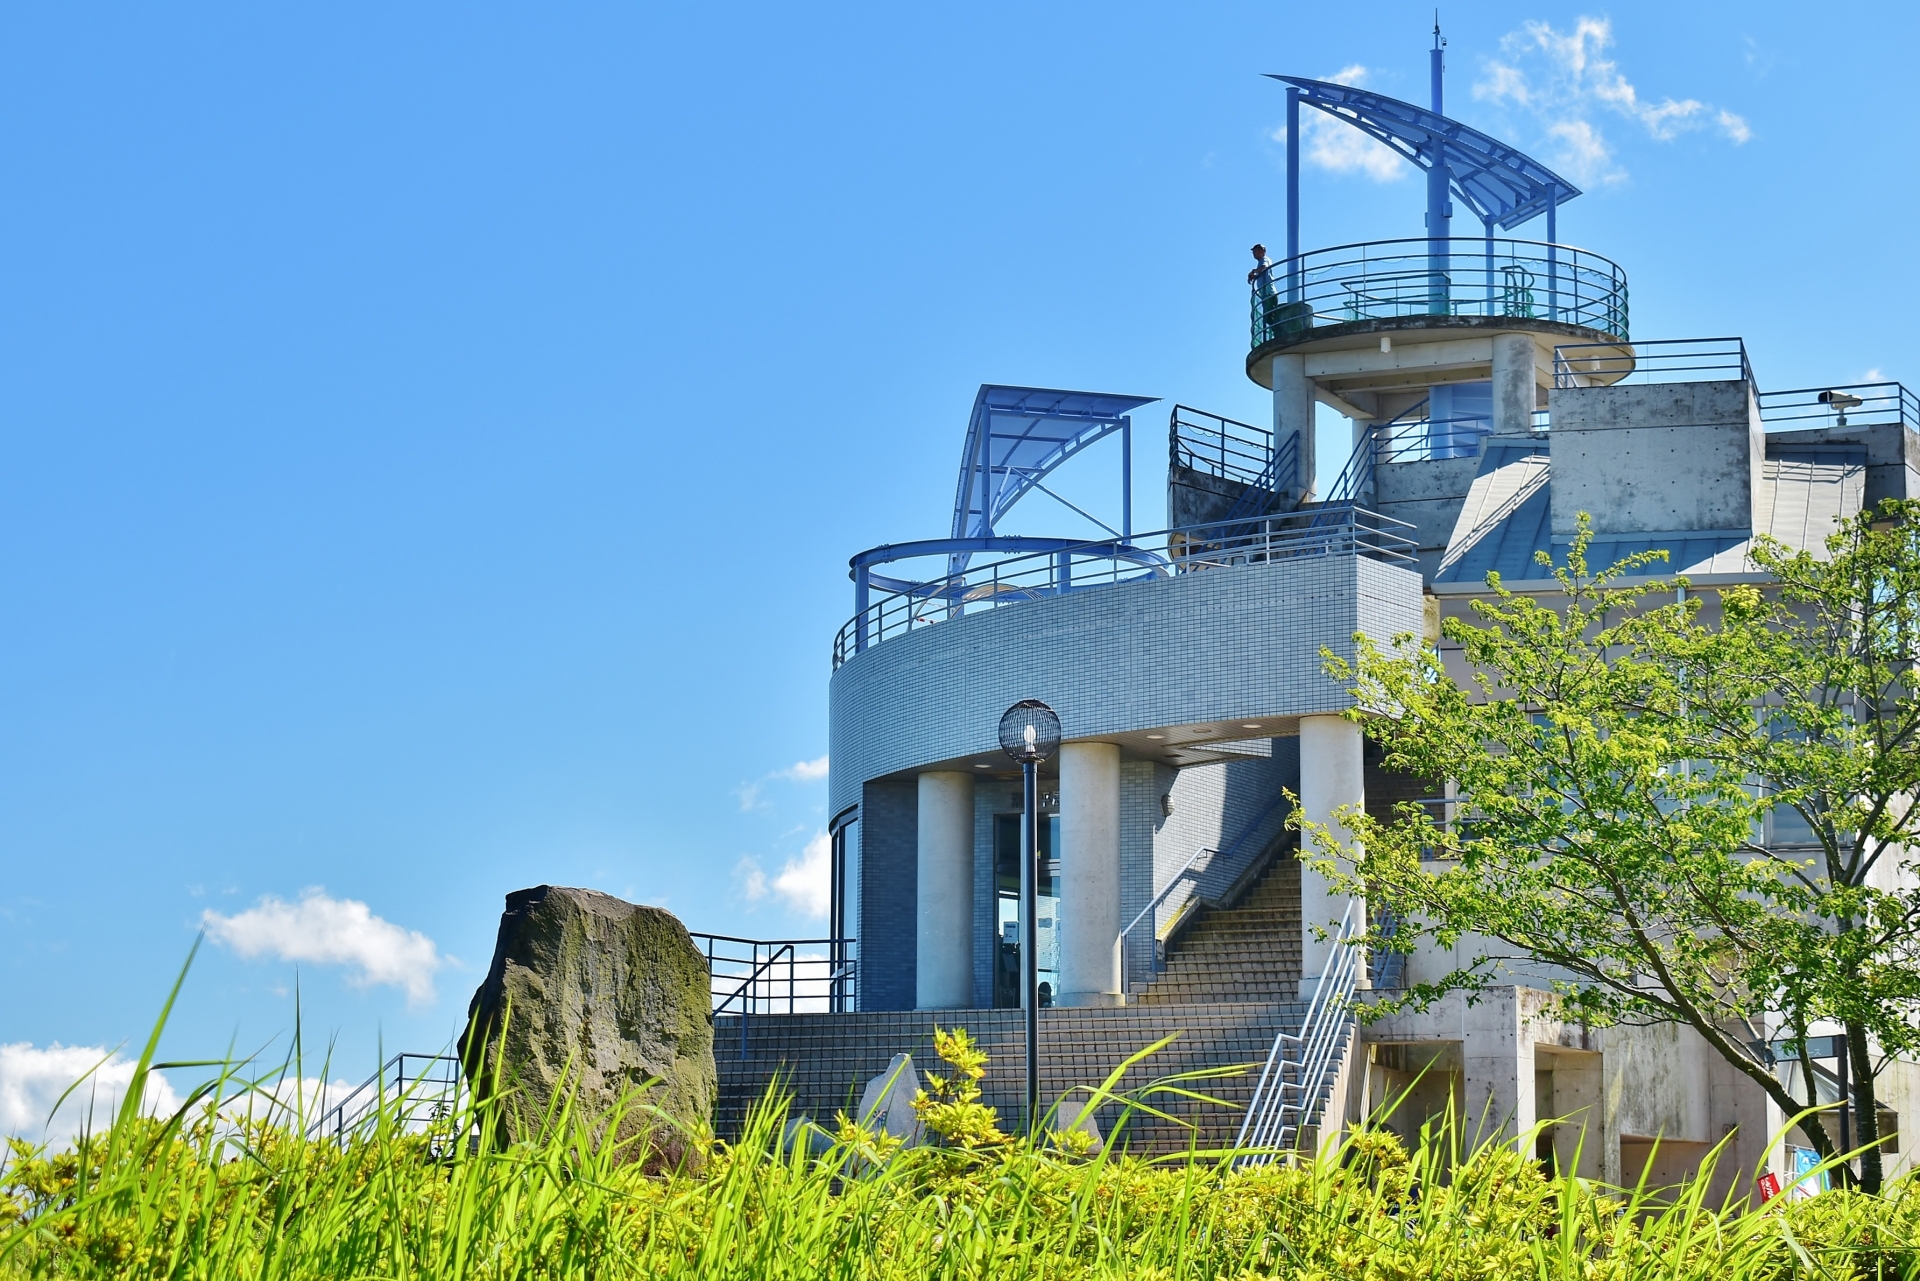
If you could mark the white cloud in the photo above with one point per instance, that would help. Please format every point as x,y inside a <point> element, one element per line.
<point>751,795</point>
<point>1564,79</point>
<point>806,882</point>
<point>330,931</point>
<point>806,771</point>
<point>31,1079</point>
<point>751,880</point>
<point>1337,146</point>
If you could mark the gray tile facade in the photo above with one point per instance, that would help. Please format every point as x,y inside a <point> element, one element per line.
<point>1229,643</point>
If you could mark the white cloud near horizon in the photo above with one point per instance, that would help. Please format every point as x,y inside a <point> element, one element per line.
<point>321,930</point>
<point>1564,79</point>
<point>805,882</point>
<point>1338,147</point>
<point>32,1079</point>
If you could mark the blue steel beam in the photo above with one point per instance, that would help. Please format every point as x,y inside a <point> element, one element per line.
<point>1501,184</point>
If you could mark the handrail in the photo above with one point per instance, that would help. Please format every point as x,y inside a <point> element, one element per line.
<point>1841,405</point>
<point>1281,1106</point>
<point>341,1122</point>
<point>1450,276</point>
<point>906,606</point>
<point>746,985</point>
<point>1167,889</point>
<point>1233,847</point>
<point>1654,360</point>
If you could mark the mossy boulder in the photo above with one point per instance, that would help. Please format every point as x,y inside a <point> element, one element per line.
<point>599,996</point>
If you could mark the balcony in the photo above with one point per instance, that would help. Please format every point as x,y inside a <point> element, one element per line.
<point>1037,569</point>
<point>1397,280</point>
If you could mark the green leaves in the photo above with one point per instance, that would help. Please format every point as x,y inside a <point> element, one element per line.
<point>1618,752</point>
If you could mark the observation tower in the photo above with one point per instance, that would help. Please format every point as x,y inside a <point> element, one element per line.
<point>1495,392</point>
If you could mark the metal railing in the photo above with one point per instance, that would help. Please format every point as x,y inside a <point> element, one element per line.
<point>1027,576</point>
<point>773,976</point>
<point>1842,405</point>
<point>1237,452</point>
<point>415,1090</point>
<point>1222,868</point>
<point>1663,360</point>
<point>1294,1080</point>
<point>1397,279</point>
<point>1223,447</point>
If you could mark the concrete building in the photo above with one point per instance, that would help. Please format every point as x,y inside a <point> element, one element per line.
<point>1494,391</point>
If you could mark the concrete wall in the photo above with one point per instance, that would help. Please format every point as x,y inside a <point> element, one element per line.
<point>1238,643</point>
<point>1427,495</point>
<point>1656,458</point>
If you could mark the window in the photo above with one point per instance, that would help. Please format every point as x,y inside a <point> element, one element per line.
<point>1006,899</point>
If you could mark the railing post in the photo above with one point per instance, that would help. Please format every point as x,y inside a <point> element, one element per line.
<point>860,587</point>
<point>1553,252</point>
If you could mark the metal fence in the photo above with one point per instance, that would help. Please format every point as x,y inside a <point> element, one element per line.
<point>1847,405</point>
<point>1665,360</point>
<point>1398,279</point>
<point>1223,447</point>
<point>1334,531</point>
<point>410,1091</point>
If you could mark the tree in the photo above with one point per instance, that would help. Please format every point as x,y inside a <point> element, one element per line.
<point>1615,752</point>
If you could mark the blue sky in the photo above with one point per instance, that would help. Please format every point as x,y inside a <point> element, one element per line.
<point>431,437</point>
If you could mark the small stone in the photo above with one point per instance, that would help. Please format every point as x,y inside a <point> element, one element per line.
<point>886,1104</point>
<point>601,995</point>
<point>1070,1115</point>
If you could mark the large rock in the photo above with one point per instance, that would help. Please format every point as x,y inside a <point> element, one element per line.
<point>601,995</point>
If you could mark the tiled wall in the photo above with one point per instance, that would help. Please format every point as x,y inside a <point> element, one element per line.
<point>889,873</point>
<point>1241,642</point>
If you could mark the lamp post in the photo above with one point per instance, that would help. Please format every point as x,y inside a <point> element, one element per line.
<point>1030,733</point>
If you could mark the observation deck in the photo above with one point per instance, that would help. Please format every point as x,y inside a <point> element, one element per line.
<point>1342,297</point>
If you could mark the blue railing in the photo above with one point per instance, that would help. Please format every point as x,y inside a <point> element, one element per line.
<point>1057,567</point>
<point>1400,279</point>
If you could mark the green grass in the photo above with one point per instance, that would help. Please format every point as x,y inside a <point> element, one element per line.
<point>190,1196</point>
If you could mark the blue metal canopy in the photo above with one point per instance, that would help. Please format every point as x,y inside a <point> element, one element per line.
<point>1501,184</point>
<point>1019,434</point>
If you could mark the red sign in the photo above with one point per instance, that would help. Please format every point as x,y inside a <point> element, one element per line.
<point>1769,1185</point>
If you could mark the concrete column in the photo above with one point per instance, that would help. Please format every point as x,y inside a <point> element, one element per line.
<point>1513,357</point>
<point>1089,911</point>
<point>943,916</point>
<point>1498,1049</point>
<point>1293,411</point>
<point>1331,776</point>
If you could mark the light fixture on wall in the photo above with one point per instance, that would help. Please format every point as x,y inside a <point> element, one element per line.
<point>1030,733</point>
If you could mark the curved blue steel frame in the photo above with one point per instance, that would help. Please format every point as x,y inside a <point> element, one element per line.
<point>1503,185</point>
<point>1016,436</point>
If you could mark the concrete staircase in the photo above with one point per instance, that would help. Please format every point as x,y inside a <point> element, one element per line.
<point>824,1059</point>
<point>1249,952</point>
<point>1230,987</point>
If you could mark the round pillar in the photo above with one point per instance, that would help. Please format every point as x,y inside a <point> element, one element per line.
<point>1089,909</point>
<point>1513,390</point>
<point>1332,774</point>
<point>943,917</point>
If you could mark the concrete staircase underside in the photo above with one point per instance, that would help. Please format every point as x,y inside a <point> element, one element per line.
<point>1248,952</point>
<point>825,1059</point>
